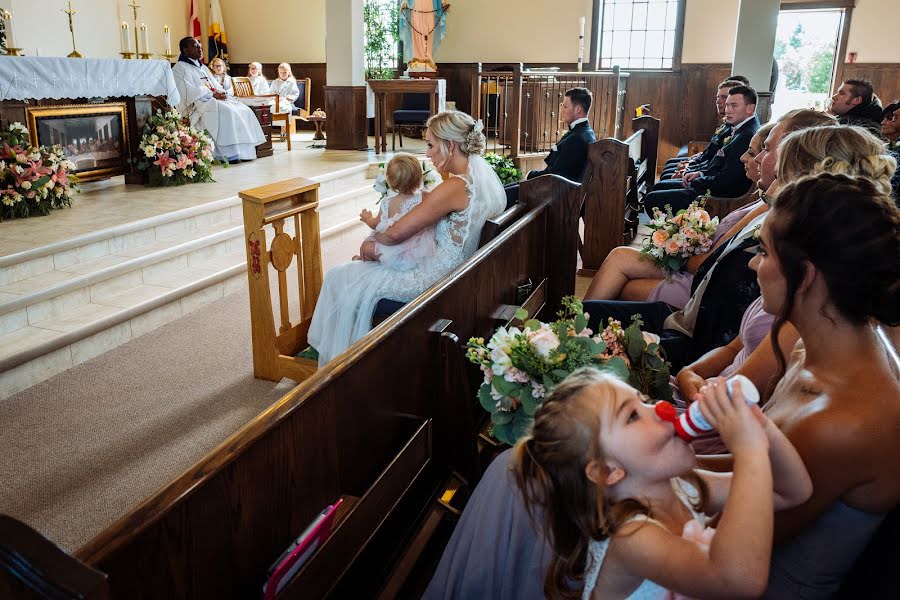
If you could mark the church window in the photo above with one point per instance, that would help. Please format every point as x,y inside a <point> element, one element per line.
<point>639,34</point>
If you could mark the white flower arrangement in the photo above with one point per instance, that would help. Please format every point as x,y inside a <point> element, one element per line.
<point>173,152</point>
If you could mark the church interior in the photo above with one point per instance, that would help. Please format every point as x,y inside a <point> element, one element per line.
<point>168,232</point>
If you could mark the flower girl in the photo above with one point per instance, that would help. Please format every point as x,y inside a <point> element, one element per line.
<point>623,507</point>
<point>405,178</point>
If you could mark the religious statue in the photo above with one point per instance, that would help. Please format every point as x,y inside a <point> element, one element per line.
<point>422,27</point>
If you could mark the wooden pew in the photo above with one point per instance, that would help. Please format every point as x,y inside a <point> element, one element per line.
<point>618,175</point>
<point>382,426</point>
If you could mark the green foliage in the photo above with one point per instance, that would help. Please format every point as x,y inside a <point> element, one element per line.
<point>820,68</point>
<point>381,18</point>
<point>3,35</point>
<point>796,40</point>
<point>504,167</point>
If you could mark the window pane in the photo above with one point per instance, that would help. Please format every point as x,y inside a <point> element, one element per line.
<point>608,13</point>
<point>620,43</point>
<point>672,15</point>
<point>605,64</point>
<point>667,63</point>
<point>669,45</point>
<point>653,63</point>
<point>656,15</point>
<point>636,63</point>
<point>623,16</point>
<point>639,20</point>
<point>606,46</point>
<point>638,39</point>
<point>655,44</point>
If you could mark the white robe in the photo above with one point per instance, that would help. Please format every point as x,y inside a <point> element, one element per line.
<point>231,125</point>
<point>288,92</point>
<point>260,85</point>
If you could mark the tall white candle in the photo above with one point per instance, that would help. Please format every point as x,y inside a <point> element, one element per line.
<point>168,35</point>
<point>126,41</point>
<point>581,27</point>
<point>10,32</point>
<point>145,39</point>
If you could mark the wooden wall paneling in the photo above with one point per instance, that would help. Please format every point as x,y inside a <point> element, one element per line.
<point>315,71</point>
<point>347,126</point>
<point>885,78</point>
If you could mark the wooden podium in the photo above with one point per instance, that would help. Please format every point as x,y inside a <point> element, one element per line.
<point>382,87</point>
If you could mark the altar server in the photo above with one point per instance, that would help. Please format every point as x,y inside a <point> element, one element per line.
<point>257,80</point>
<point>232,126</point>
<point>220,73</point>
<point>286,87</point>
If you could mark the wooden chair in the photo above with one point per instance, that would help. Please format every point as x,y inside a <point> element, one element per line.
<point>414,112</point>
<point>286,120</point>
<point>244,89</point>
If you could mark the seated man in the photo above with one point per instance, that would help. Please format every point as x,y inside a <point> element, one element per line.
<point>231,125</point>
<point>890,130</point>
<point>724,175</point>
<point>676,167</point>
<point>568,157</point>
<point>855,103</point>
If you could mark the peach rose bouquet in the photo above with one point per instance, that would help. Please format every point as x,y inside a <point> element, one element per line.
<point>678,237</point>
<point>524,360</point>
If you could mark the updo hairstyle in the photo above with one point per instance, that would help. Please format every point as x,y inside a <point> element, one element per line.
<point>403,173</point>
<point>841,150</point>
<point>849,230</point>
<point>457,126</point>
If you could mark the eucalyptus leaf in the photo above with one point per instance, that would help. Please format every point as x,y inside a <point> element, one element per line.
<point>617,366</point>
<point>533,324</point>
<point>521,314</point>
<point>484,397</point>
<point>580,323</point>
<point>501,417</point>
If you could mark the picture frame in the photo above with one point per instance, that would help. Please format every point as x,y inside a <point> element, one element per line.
<point>93,136</point>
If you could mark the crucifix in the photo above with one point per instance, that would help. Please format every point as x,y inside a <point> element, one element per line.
<point>74,53</point>
<point>134,6</point>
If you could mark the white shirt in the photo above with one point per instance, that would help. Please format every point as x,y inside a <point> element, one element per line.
<point>741,124</point>
<point>577,121</point>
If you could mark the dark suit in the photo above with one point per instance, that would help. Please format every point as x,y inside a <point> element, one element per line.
<point>568,160</point>
<point>701,160</point>
<point>723,176</point>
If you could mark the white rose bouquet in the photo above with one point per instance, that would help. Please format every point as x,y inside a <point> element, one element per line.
<point>174,153</point>
<point>33,179</point>
<point>521,366</point>
<point>678,237</point>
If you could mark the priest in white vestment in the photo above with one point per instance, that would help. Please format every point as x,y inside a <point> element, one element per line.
<point>231,125</point>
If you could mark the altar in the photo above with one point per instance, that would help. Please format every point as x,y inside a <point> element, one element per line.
<point>88,86</point>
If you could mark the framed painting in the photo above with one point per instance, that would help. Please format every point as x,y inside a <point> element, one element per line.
<point>93,136</point>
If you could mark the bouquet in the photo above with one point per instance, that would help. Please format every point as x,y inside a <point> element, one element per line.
<point>430,180</point>
<point>504,167</point>
<point>173,153</point>
<point>521,366</point>
<point>678,237</point>
<point>33,179</point>
<point>648,370</point>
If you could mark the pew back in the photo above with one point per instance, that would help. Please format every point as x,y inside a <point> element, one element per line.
<point>381,426</point>
<point>617,177</point>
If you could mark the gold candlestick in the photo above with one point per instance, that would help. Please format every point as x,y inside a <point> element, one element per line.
<point>13,51</point>
<point>134,6</point>
<point>74,53</point>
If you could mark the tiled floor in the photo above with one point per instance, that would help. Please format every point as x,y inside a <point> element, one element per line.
<point>110,202</point>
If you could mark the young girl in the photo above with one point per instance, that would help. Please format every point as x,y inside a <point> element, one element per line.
<point>403,175</point>
<point>621,503</point>
<point>218,68</point>
<point>286,88</point>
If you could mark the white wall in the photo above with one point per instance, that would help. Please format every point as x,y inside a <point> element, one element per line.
<point>710,27</point>
<point>873,31</point>
<point>514,31</point>
<point>275,30</point>
<point>41,29</point>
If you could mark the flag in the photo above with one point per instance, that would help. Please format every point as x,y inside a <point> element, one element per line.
<point>218,43</point>
<point>194,22</point>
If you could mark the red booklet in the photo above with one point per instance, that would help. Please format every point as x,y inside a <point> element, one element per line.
<point>297,554</point>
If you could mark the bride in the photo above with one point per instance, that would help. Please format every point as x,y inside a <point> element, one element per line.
<point>457,208</point>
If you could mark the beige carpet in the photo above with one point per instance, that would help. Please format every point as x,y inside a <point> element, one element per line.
<point>83,448</point>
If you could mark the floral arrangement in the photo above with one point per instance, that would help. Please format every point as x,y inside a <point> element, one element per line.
<point>504,167</point>
<point>678,237</point>
<point>430,180</point>
<point>33,179</point>
<point>173,153</point>
<point>521,366</point>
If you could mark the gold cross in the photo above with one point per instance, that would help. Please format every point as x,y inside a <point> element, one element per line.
<point>70,12</point>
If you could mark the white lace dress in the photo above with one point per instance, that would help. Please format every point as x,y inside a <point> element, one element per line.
<point>648,590</point>
<point>350,291</point>
<point>417,250</point>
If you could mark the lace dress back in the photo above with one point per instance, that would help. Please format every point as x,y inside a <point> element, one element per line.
<point>648,590</point>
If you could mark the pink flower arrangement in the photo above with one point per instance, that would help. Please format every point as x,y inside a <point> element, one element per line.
<point>678,237</point>
<point>173,153</point>
<point>33,179</point>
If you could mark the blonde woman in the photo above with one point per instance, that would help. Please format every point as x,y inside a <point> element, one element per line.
<point>457,209</point>
<point>286,88</point>
<point>219,68</point>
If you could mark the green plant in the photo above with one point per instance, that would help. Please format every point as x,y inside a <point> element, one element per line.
<point>2,35</point>
<point>381,18</point>
<point>504,167</point>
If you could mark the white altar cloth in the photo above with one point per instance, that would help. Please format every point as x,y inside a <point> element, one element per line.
<point>37,77</point>
<point>442,99</point>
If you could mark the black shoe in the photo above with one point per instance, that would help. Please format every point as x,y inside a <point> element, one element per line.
<point>234,161</point>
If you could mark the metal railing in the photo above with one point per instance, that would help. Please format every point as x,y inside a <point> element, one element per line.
<point>520,108</point>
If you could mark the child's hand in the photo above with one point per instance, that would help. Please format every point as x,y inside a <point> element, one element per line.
<point>368,218</point>
<point>738,426</point>
<point>689,383</point>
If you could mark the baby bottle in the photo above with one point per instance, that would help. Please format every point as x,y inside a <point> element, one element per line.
<point>691,424</point>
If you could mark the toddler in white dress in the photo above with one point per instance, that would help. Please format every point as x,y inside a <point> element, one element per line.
<point>404,178</point>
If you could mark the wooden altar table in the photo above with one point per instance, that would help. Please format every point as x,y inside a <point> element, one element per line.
<point>382,87</point>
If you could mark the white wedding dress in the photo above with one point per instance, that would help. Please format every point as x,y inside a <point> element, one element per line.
<point>350,291</point>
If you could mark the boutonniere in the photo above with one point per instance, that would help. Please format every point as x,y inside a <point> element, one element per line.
<point>755,233</point>
<point>565,133</point>
<point>721,128</point>
<point>726,140</point>
<point>896,145</point>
